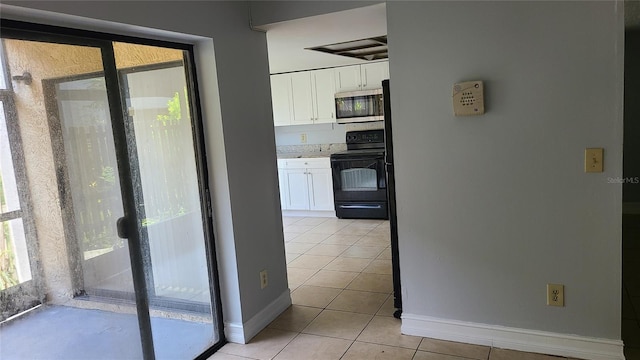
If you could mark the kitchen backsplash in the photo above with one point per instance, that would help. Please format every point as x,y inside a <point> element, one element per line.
<point>310,148</point>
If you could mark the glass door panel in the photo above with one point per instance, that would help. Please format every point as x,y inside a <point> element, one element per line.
<point>160,134</point>
<point>90,166</point>
<point>77,196</point>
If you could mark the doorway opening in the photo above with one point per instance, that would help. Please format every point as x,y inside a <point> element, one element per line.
<point>631,199</point>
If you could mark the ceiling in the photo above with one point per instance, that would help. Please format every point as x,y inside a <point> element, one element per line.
<point>288,41</point>
<point>373,48</point>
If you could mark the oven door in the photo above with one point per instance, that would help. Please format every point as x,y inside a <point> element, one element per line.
<point>359,186</point>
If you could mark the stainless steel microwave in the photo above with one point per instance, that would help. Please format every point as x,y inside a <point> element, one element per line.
<point>359,106</point>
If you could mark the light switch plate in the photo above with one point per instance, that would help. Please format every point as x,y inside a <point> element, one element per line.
<point>594,160</point>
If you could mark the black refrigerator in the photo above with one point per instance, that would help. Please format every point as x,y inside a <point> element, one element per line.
<point>391,197</point>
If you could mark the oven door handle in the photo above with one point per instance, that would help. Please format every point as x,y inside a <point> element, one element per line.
<point>360,206</point>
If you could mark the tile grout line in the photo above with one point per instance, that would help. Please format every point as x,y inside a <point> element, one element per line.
<point>342,289</point>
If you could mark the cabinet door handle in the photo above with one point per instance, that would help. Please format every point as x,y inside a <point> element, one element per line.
<point>365,77</point>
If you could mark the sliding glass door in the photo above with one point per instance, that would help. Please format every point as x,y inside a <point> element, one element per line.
<point>131,185</point>
<point>159,129</point>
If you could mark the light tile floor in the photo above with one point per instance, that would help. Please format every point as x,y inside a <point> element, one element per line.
<point>340,277</point>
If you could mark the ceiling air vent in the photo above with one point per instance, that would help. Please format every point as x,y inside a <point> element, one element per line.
<point>374,48</point>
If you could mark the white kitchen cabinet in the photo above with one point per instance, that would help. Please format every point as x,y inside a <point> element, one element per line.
<point>302,96</point>
<point>297,195</point>
<point>320,189</point>
<point>348,78</point>
<point>372,74</point>
<point>306,184</point>
<point>281,99</point>
<point>313,97</point>
<point>361,77</point>
<point>324,86</point>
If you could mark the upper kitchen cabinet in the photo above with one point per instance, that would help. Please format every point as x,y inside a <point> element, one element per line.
<point>302,95</point>
<point>305,97</point>
<point>281,99</point>
<point>348,78</point>
<point>324,85</point>
<point>373,74</point>
<point>361,77</point>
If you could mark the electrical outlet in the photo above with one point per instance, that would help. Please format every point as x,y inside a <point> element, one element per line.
<point>555,295</point>
<point>303,138</point>
<point>264,280</point>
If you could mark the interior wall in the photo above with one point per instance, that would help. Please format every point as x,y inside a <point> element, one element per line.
<point>269,12</point>
<point>244,179</point>
<point>492,208</point>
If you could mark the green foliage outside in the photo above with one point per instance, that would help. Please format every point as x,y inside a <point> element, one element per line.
<point>8,273</point>
<point>173,117</point>
<point>97,238</point>
<point>174,112</point>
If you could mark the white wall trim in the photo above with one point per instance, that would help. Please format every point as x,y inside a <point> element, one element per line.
<point>631,208</point>
<point>513,338</point>
<point>234,332</point>
<point>242,333</point>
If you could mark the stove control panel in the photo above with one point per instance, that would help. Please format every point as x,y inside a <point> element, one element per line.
<point>365,137</point>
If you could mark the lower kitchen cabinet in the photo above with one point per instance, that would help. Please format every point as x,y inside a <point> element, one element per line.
<point>320,189</point>
<point>306,184</point>
<point>296,189</point>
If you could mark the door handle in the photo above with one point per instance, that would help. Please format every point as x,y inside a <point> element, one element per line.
<point>122,226</point>
<point>360,206</point>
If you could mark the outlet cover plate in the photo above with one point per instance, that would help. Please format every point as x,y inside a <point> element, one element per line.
<point>555,295</point>
<point>264,280</point>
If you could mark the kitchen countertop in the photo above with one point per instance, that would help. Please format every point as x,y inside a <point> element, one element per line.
<point>317,154</point>
<point>309,151</point>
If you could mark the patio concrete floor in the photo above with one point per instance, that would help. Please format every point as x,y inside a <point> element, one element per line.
<point>62,332</point>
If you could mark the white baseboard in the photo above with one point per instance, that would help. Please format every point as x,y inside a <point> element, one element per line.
<point>309,213</point>
<point>513,338</point>
<point>234,332</point>
<point>631,208</point>
<point>242,333</point>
